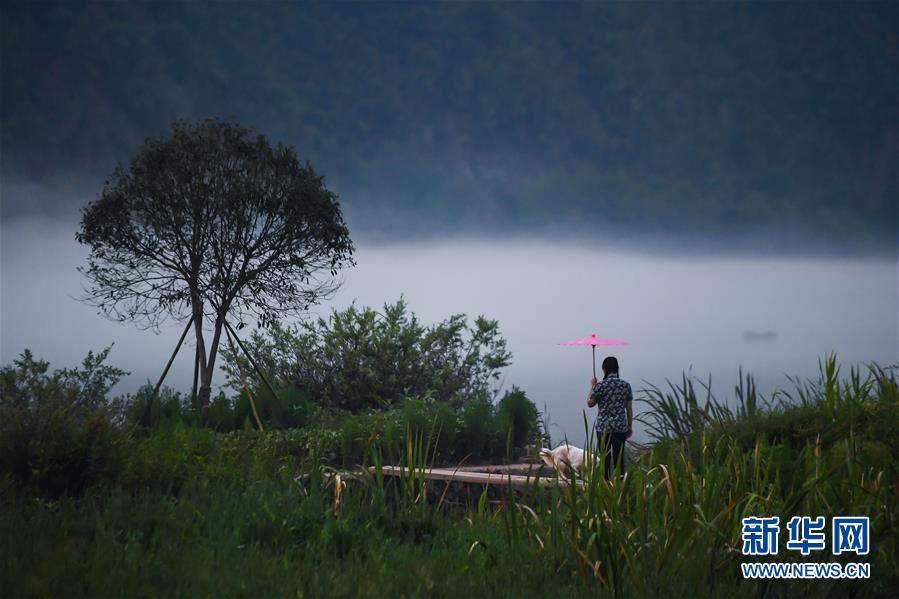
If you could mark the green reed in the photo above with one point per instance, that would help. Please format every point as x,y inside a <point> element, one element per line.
<point>227,518</point>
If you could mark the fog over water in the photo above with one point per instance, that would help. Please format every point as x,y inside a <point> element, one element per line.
<point>772,316</point>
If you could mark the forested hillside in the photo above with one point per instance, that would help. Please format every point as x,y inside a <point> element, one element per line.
<point>492,116</point>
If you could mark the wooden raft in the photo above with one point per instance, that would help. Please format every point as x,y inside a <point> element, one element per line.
<point>469,475</point>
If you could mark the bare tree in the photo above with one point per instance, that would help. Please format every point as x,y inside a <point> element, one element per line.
<point>209,222</point>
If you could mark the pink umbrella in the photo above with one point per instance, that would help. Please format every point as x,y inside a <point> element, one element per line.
<point>593,341</point>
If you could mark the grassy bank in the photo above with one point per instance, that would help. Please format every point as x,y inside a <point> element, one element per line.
<point>192,512</point>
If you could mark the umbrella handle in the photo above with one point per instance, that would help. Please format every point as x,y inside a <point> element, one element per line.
<point>594,361</point>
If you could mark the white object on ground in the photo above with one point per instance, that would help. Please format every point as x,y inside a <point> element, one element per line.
<point>563,457</point>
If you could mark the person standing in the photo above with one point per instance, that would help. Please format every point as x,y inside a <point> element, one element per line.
<point>615,414</point>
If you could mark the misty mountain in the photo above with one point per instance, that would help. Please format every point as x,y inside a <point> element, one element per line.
<point>748,121</point>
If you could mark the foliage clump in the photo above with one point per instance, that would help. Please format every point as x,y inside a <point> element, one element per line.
<point>57,429</point>
<point>193,511</point>
<point>361,359</point>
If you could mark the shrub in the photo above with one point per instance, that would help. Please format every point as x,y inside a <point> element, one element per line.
<point>360,359</point>
<point>148,409</point>
<point>478,434</point>
<point>55,429</point>
<point>288,409</point>
<point>222,416</point>
<point>176,454</point>
<point>518,419</point>
<point>446,425</point>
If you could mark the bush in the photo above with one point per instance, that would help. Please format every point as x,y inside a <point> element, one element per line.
<point>288,409</point>
<point>518,419</point>
<point>446,430</point>
<point>148,409</point>
<point>360,359</point>
<point>56,430</point>
<point>479,436</point>
<point>343,438</point>
<point>176,454</point>
<point>222,415</point>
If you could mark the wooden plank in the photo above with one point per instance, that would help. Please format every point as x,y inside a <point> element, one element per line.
<point>522,467</point>
<point>483,478</point>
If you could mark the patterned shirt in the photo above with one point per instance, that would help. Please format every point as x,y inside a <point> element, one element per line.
<point>611,396</point>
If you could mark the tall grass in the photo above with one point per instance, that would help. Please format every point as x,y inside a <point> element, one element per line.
<point>247,519</point>
<point>673,522</point>
<point>676,515</point>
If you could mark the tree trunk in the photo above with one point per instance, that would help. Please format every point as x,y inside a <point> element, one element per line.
<point>206,360</point>
<point>205,374</point>
<point>208,365</point>
<point>204,395</point>
<point>194,395</point>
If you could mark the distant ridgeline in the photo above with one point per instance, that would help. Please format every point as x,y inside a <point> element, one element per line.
<point>687,119</point>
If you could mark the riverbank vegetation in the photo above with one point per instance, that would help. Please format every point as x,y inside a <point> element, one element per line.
<point>99,502</point>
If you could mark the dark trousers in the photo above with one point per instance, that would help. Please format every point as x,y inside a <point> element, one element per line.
<point>612,446</point>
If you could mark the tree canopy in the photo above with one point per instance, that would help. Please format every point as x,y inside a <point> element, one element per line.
<point>208,222</point>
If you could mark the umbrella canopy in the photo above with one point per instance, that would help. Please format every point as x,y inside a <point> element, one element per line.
<point>593,341</point>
